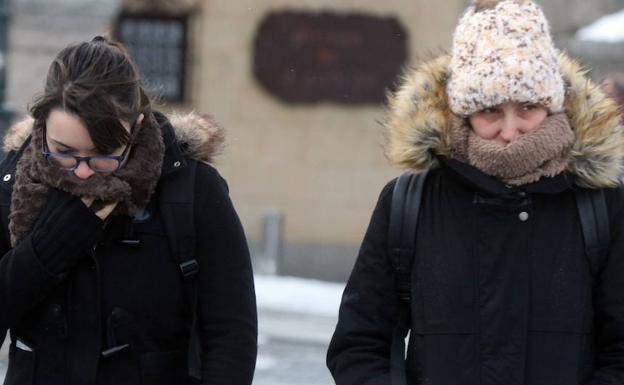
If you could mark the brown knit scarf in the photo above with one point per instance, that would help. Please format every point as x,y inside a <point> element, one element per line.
<point>543,152</point>
<point>132,185</point>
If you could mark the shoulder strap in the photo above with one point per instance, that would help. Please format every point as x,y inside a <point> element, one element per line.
<point>177,192</point>
<point>404,210</point>
<point>592,210</point>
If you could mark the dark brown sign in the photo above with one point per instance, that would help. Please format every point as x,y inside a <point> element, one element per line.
<point>307,58</point>
<point>158,46</point>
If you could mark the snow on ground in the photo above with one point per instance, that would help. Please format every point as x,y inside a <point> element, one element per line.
<point>608,29</point>
<point>298,295</point>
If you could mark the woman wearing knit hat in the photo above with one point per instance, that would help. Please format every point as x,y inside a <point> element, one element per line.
<point>515,278</point>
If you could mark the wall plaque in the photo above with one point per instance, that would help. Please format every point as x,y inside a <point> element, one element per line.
<point>316,57</point>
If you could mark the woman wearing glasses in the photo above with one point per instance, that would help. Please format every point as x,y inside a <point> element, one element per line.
<point>104,277</point>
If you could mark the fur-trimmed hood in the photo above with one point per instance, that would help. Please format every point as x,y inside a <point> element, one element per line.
<point>417,128</point>
<point>199,136</point>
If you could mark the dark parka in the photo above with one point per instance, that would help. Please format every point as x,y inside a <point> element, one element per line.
<point>70,310</point>
<point>502,291</point>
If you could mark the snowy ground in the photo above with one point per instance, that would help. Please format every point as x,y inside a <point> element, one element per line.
<point>296,318</point>
<point>305,296</point>
<point>608,29</point>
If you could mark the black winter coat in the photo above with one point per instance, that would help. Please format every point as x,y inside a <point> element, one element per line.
<point>502,291</point>
<point>496,299</point>
<point>70,310</point>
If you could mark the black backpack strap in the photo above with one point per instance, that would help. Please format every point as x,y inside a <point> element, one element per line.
<point>177,192</point>
<point>592,209</point>
<point>404,210</point>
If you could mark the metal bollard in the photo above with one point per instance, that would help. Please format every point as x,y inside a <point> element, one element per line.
<point>272,238</point>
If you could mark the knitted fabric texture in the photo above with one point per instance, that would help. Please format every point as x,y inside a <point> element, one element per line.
<point>132,185</point>
<point>503,51</point>
<point>543,152</point>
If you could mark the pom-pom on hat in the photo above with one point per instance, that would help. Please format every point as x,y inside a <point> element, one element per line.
<point>503,51</point>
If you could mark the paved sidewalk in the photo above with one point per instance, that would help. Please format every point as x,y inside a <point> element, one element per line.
<point>292,348</point>
<point>282,362</point>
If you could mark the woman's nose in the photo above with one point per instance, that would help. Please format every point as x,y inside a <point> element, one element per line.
<point>510,129</point>
<point>83,171</point>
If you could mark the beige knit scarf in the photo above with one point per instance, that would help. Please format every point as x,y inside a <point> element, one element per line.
<point>132,185</point>
<point>543,152</point>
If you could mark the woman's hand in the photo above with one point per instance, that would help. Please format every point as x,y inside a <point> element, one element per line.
<point>102,213</point>
<point>66,230</point>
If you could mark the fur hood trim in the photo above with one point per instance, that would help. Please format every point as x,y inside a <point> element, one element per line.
<point>199,136</point>
<point>417,129</point>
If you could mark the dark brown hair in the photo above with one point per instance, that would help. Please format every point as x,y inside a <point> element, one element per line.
<point>98,82</point>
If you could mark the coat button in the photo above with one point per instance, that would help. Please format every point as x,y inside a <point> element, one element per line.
<point>7,177</point>
<point>523,216</point>
<point>176,163</point>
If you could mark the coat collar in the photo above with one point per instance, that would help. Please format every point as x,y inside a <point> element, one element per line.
<point>174,159</point>
<point>478,180</point>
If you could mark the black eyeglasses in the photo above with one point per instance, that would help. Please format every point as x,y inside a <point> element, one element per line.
<point>98,163</point>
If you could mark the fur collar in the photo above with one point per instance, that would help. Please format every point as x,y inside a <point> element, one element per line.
<point>417,128</point>
<point>199,136</point>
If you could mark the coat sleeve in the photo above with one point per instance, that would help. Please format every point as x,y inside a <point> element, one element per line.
<point>226,299</point>
<point>359,352</point>
<point>609,302</point>
<point>62,236</point>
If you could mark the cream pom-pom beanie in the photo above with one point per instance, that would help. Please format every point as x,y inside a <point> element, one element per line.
<point>503,51</point>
